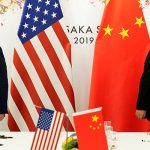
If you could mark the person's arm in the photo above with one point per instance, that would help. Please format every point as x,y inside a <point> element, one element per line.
<point>3,86</point>
<point>143,101</point>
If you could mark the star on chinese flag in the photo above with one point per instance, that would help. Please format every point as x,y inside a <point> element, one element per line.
<point>90,130</point>
<point>120,52</point>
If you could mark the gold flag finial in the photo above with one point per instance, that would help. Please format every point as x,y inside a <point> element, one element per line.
<point>107,1</point>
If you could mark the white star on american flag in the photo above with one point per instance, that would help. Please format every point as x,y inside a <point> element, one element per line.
<point>33,28</point>
<point>45,12</point>
<point>47,2</point>
<point>39,1</point>
<point>54,15</point>
<point>35,19</point>
<point>37,9</point>
<point>29,6</point>
<point>55,5</point>
<point>43,21</point>
<point>25,25</point>
<point>24,35</point>
<point>27,16</point>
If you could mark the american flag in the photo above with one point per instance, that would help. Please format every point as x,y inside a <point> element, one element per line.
<point>41,72</point>
<point>48,130</point>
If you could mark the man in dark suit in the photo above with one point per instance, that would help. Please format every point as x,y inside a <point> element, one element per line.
<point>3,86</point>
<point>143,102</point>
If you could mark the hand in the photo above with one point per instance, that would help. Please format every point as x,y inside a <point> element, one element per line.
<point>140,114</point>
<point>2,116</point>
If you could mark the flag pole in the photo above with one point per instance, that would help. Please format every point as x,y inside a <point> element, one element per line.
<point>37,106</point>
<point>67,124</point>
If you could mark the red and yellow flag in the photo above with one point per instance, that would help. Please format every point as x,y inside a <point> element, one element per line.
<point>90,130</point>
<point>120,52</point>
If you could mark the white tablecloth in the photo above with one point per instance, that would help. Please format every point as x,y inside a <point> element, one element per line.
<point>126,141</point>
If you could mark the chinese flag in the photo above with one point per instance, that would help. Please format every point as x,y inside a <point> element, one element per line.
<point>120,52</point>
<point>90,130</point>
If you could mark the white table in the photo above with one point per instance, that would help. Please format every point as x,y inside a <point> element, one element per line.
<point>126,141</point>
<point>133,141</point>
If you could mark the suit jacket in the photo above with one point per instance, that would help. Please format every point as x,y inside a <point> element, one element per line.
<point>143,102</point>
<point>3,84</point>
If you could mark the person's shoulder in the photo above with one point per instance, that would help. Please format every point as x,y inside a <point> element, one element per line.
<point>148,56</point>
<point>1,53</point>
<point>147,115</point>
<point>0,49</point>
<point>147,61</point>
<point>2,59</point>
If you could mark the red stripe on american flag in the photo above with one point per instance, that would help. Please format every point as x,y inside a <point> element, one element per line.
<point>63,39</point>
<point>22,107</point>
<point>57,66</point>
<point>12,123</point>
<point>26,80</point>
